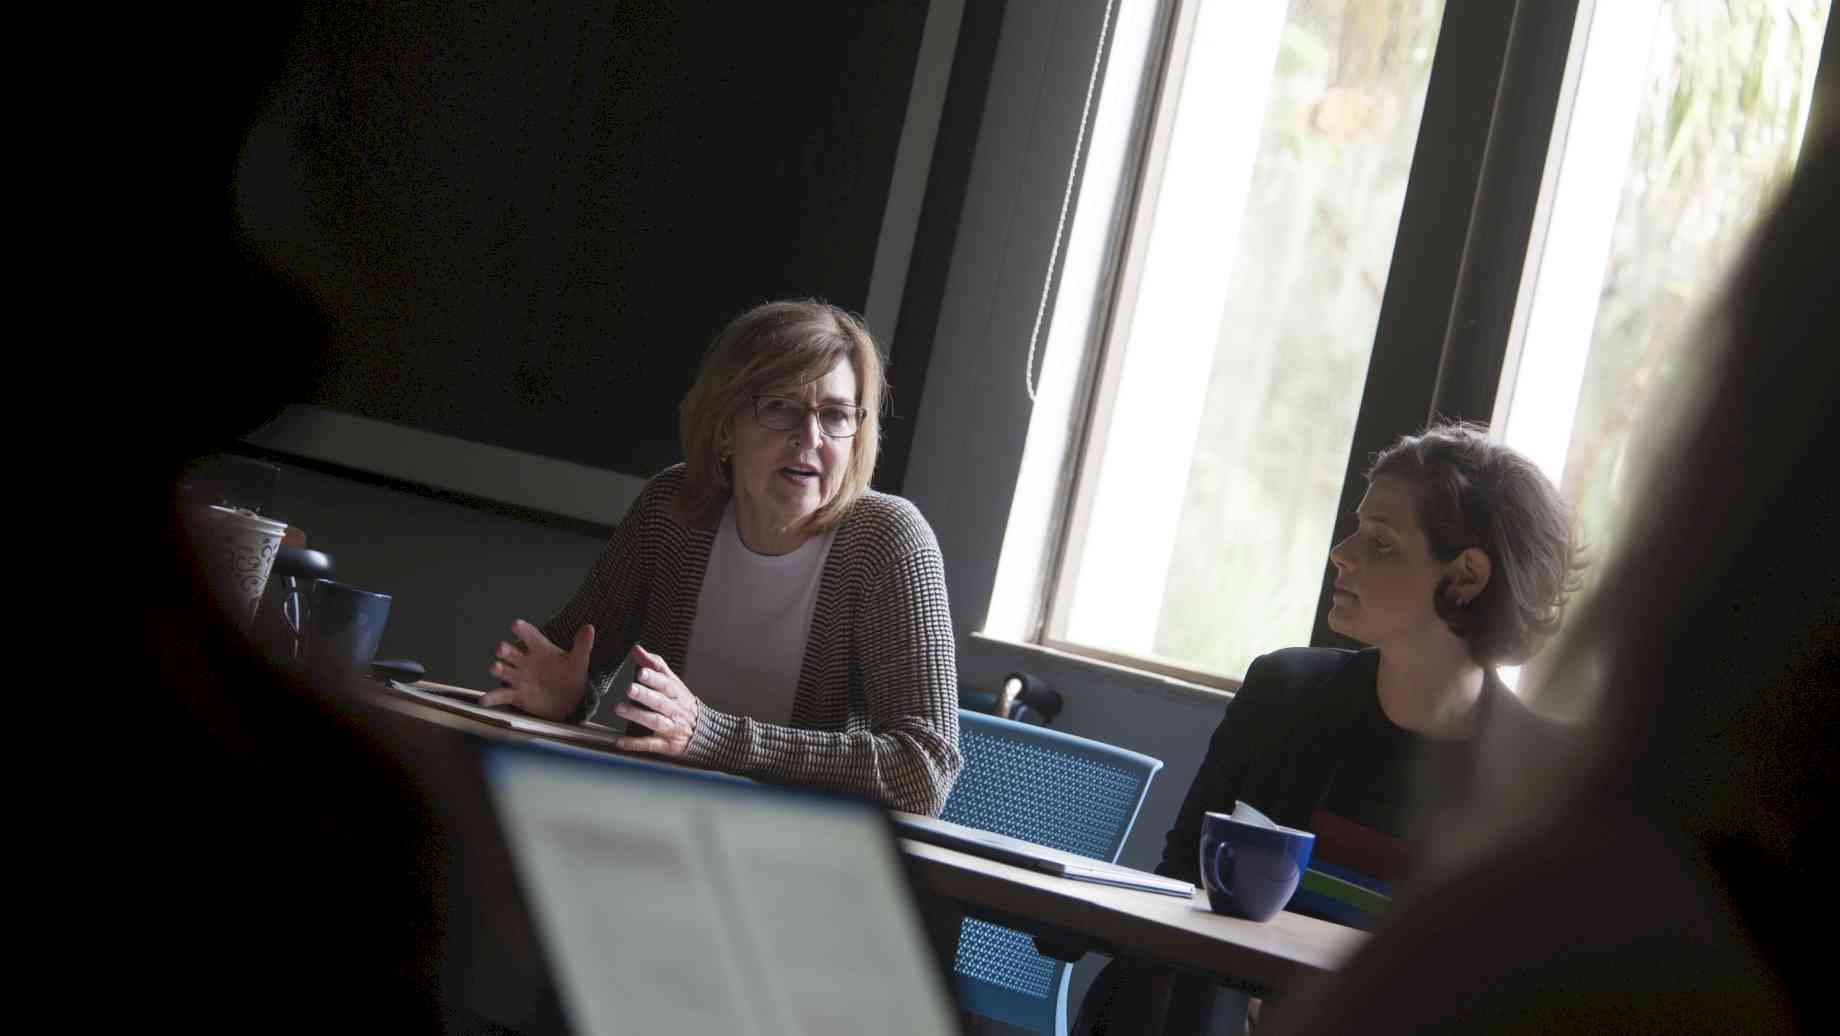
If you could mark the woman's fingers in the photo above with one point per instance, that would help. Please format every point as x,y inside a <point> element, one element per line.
<point>658,702</point>
<point>665,694</point>
<point>654,681</point>
<point>643,744</point>
<point>584,642</point>
<point>647,660</point>
<point>661,703</point>
<point>540,678</point>
<point>661,679</point>
<point>656,722</point>
<point>532,637</point>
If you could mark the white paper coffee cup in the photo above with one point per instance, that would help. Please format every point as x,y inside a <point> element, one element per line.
<point>238,548</point>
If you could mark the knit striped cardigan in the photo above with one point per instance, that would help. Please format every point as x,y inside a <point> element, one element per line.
<point>876,709</point>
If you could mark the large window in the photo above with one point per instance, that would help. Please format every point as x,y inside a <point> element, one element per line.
<point>1661,169</point>
<point>1206,385</point>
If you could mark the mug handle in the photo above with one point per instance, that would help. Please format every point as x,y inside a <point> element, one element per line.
<point>302,619</point>
<point>290,606</point>
<point>1214,865</point>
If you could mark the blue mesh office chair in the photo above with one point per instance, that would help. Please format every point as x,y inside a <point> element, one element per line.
<point>1047,787</point>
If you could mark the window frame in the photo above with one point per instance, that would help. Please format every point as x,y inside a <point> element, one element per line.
<point>1125,250</point>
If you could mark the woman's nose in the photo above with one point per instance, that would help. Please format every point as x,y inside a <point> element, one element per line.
<point>1338,556</point>
<point>809,432</point>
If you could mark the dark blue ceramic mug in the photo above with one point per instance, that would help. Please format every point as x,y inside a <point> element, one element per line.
<point>1248,869</point>
<point>342,625</point>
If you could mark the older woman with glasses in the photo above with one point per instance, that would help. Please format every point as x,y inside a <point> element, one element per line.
<point>787,622</point>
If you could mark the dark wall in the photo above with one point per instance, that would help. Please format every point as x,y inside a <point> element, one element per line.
<point>527,218</point>
<point>457,575</point>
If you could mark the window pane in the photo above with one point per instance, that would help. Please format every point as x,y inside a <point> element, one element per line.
<point>1210,487</point>
<point>1667,164</point>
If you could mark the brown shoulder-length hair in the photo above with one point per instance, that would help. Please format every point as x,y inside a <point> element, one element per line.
<point>1472,491</point>
<point>789,342</point>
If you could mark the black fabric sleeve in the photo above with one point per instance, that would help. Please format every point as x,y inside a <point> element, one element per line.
<point>1229,756</point>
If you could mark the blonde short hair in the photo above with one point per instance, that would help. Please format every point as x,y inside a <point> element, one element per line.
<point>776,343</point>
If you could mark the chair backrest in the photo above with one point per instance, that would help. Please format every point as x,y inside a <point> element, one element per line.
<point>1055,789</point>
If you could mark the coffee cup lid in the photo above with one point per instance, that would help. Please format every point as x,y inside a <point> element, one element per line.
<point>248,517</point>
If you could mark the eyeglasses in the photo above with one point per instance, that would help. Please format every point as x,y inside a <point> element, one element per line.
<point>784,415</point>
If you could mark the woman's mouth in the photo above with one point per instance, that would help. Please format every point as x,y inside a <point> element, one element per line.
<point>799,474</point>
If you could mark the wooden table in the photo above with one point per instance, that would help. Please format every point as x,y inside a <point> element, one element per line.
<point>1262,959</point>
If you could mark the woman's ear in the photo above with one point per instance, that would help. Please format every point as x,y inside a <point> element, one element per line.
<point>1467,575</point>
